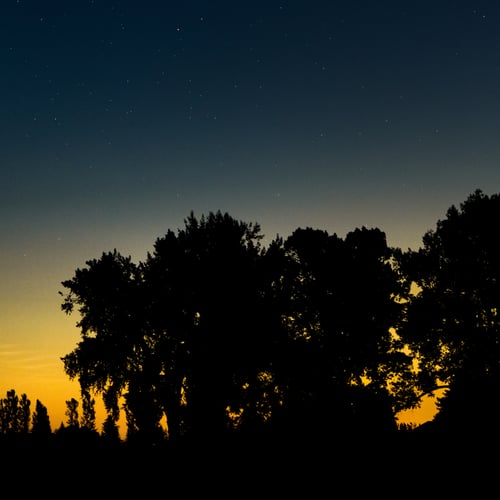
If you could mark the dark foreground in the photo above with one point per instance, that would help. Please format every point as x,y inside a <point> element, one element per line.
<point>407,465</point>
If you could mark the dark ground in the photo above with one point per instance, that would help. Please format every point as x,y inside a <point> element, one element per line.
<point>411,465</point>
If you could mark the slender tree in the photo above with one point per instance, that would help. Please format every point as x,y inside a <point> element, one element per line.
<point>41,421</point>
<point>88,412</point>
<point>72,417</point>
<point>110,431</point>
<point>8,412</point>
<point>14,413</point>
<point>24,414</point>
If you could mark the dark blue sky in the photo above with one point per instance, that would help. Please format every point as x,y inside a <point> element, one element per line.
<point>119,118</point>
<point>331,114</point>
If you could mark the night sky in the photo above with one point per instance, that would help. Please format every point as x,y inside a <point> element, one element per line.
<point>120,118</point>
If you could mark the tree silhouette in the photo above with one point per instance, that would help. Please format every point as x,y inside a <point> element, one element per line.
<point>88,412</point>
<point>15,413</point>
<point>216,334</point>
<point>24,414</point>
<point>179,335</point>
<point>41,421</point>
<point>72,418</point>
<point>342,355</point>
<point>204,291</point>
<point>113,346</point>
<point>312,340</point>
<point>452,322</point>
<point>110,431</point>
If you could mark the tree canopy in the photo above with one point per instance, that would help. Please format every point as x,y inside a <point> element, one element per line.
<point>216,334</point>
<point>451,323</point>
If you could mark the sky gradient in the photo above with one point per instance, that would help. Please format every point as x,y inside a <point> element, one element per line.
<point>120,118</point>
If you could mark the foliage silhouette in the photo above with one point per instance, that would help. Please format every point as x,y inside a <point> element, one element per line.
<point>341,306</point>
<point>452,323</point>
<point>72,413</point>
<point>41,421</point>
<point>205,280</point>
<point>15,413</point>
<point>282,354</point>
<point>172,335</point>
<point>218,334</point>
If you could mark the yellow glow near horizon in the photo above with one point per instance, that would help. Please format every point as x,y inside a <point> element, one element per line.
<point>36,374</point>
<point>35,369</point>
<point>35,334</point>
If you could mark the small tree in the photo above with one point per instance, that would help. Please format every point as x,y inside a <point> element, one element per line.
<point>24,414</point>
<point>72,413</point>
<point>88,411</point>
<point>110,431</point>
<point>14,413</point>
<point>40,421</point>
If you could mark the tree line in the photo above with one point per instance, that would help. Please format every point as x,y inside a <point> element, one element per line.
<point>17,419</point>
<point>307,338</point>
